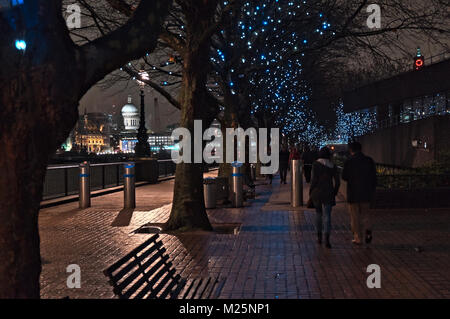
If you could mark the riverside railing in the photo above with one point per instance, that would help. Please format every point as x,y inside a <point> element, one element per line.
<point>63,180</point>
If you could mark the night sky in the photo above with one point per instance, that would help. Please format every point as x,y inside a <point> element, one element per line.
<point>98,99</point>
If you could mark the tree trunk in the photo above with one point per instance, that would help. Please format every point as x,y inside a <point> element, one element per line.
<point>20,194</point>
<point>38,108</point>
<point>27,139</point>
<point>188,206</point>
<point>39,92</point>
<point>229,121</point>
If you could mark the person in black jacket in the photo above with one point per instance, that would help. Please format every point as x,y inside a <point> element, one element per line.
<point>284,163</point>
<point>324,188</point>
<point>361,177</point>
<point>308,159</point>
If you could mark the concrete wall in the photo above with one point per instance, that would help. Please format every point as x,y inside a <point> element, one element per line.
<point>428,81</point>
<point>393,146</point>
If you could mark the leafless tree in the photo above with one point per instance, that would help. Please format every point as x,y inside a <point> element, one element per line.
<point>39,92</point>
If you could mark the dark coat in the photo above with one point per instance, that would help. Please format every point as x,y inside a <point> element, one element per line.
<point>284,159</point>
<point>294,155</point>
<point>361,177</point>
<point>322,190</point>
<point>308,157</point>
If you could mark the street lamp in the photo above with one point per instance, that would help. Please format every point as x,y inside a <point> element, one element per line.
<point>142,148</point>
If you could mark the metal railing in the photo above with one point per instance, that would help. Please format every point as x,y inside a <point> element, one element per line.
<point>408,178</point>
<point>63,180</point>
<point>410,182</point>
<point>166,168</point>
<point>386,169</point>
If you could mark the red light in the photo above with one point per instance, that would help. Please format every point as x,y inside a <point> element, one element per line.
<point>419,63</point>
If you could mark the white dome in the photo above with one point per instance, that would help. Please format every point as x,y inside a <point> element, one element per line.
<point>130,115</point>
<point>129,109</point>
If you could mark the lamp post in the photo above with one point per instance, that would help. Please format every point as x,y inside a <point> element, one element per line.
<point>142,148</point>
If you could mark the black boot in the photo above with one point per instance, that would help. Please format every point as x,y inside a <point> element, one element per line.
<point>327,241</point>
<point>319,238</point>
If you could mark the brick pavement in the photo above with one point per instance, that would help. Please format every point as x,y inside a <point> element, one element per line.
<point>273,256</point>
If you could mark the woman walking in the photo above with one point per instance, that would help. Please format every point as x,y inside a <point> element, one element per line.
<point>324,188</point>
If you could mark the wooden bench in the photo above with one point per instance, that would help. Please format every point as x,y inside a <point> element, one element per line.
<point>147,273</point>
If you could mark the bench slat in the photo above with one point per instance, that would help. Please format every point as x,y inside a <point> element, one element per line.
<point>145,276</point>
<point>219,286</point>
<point>140,271</point>
<point>169,289</point>
<point>179,289</point>
<point>137,262</point>
<point>166,268</point>
<point>193,288</point>
<point>161,284</point>
<point>209,289</point>
<point>187,287</point>
<point>148,289</point>
<point>128,256</point>
<point>201,289</point>
<point>148,270</point>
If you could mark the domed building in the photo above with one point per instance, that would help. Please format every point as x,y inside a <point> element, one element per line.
<point>130,115</point>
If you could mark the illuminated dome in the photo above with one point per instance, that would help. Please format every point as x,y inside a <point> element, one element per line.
<point>129,109</point>
<point>130,115</point>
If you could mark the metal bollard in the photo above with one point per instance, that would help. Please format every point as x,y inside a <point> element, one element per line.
<point>85,186</point>
<point>237,177</point>
<point>129,193</point>
<point>209,190</point>
<point>296,184</point>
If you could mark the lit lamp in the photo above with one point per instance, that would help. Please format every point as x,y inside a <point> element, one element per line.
<point>142,148</point>
<point>143,76</point>
<point>419,60</point>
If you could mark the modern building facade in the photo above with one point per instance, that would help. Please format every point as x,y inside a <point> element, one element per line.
<point>404,98</point>
<point>411,115</point>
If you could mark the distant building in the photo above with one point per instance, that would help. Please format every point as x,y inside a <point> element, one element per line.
<point>409,116</point>
<point>92,133</point>
<point>130,115</point>
<point>403,98</point>
<point>128,136</point>
<point>157,142</point>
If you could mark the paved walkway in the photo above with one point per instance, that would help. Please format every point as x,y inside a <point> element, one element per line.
<point>273,256</point>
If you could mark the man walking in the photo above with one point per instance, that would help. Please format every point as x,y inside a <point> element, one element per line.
<point>360,174</point>
<point>294,153</point>
<point>308,159</point>
<point>284,163</point>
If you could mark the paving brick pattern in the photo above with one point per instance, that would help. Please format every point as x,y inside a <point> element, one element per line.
<point>273,256</point>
